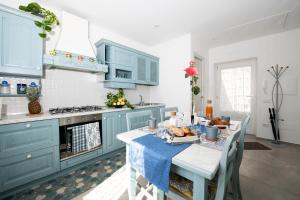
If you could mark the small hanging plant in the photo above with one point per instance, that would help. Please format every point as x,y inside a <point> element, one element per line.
<point>49,18</point>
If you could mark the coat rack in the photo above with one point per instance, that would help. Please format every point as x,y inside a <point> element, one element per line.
<point>277,100</point>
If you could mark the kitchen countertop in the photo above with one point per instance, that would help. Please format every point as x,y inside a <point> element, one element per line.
<point>11,119</point>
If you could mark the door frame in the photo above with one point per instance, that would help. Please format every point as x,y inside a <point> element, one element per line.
<point>200,84</point>
<point>253,96</point>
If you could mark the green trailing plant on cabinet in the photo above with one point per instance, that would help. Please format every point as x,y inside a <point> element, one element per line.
<point>48,18</point>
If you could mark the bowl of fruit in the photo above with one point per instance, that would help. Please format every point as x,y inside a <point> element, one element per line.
<point>117,100</point>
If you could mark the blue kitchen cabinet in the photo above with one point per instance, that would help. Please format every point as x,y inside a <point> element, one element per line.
<point>21,51</point>
<point>26,167</point>
<point>147,70</point>
<point>30,136</point>
<point>28,151</point>
<point>121,56</point>
<point>141,69</point>
<point>153,72</point>
<point>121,127</point>
<point>109,131</point>
<point>113,124</point>
<point>126,66</point>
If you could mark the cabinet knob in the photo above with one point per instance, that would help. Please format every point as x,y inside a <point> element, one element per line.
<point>119,115</point>
<point>104,117</point>
<point>28,125</point>
<point>38,68</point>
<point>28,156</point>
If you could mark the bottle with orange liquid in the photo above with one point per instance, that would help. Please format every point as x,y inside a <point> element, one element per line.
<point>209,110</point>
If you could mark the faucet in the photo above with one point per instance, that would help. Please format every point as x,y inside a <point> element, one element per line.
<point>141,103</point>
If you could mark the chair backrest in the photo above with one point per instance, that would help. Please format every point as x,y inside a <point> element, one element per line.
<point>163,112</point>
<point>226,167</point>
<point>240,151</point>
<point>137,119</point>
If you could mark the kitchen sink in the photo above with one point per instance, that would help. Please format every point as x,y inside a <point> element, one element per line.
<point>146,104</point>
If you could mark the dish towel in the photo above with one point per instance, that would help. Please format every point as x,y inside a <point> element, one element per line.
<point>92,134</point>
<point>152,157</point>
<point>78,138</point>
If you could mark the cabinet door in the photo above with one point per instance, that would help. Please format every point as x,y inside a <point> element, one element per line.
<point>21,48</point>
<point>108,127</point>
<point>141,70</point>
<point>122,56</point>
<point>153,72</point>
<point>122,127</point>
<point>26,167</point>
<point>30,136</point>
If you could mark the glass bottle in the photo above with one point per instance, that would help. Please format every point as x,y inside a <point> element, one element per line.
<point>173,119</point>
<point>209,110</point>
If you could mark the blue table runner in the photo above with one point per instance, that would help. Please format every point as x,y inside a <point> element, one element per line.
<point>152,157</point>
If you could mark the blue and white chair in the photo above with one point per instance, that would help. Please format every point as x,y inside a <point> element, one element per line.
<point>237,194</point>
<point>218,186</point>
<point>137,119</point>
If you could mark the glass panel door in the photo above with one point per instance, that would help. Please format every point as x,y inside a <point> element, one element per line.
<point>235,90</point>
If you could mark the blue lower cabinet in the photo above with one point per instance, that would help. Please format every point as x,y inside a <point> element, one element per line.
<point>108,127</point>
<point>64,164</point>
<point>26,167</point>
<point>121,127</point>
<point>30,136</point>
<point>113,124</point>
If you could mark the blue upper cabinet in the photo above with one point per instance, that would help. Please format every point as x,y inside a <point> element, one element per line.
<point>141,69</point>
<point>127,66</point>
<point>147,70</point>
<point>21,49</point>
<point>153,72</point>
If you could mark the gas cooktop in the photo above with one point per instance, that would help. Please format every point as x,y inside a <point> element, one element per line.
<point>74,109</point>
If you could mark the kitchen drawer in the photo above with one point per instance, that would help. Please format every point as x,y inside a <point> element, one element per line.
<point>24,137</point>
<point>64,164</point>
<point>26,167</point>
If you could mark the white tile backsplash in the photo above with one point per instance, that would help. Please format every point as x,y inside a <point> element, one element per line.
<point>68,88</point>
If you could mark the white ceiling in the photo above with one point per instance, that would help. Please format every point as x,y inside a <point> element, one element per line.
<point>213,22</point>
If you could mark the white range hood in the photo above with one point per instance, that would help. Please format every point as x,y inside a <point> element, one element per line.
<point>74,50</point>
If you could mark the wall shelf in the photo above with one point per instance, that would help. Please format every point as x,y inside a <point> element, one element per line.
<point>12,95</point>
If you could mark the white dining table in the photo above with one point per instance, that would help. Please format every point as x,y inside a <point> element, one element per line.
<point>197,163</point>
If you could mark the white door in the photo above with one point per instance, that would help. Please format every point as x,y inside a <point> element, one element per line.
<point>235,90</point>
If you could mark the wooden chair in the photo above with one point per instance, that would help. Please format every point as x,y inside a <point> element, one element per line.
<point>163,112</point>
<point>218,186</point>
<point>137,119</point>
<point>237,194</point>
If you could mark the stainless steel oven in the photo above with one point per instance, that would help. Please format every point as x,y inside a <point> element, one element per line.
<point>79,134</point>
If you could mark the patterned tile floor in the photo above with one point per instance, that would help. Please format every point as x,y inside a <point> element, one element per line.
<point>76,182</point>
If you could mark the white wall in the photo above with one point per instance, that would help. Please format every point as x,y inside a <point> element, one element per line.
<point>173,89</point>
<point>68,88</point>
<point>282,49</point>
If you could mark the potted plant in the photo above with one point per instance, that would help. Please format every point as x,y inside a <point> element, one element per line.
<point>33,94</point>
<point>117,100</point>
<point>48,17</point>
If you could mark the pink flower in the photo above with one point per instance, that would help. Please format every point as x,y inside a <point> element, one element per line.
<point>191,71</point>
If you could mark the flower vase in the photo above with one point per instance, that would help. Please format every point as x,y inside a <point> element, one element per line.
<point>192,119</point>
